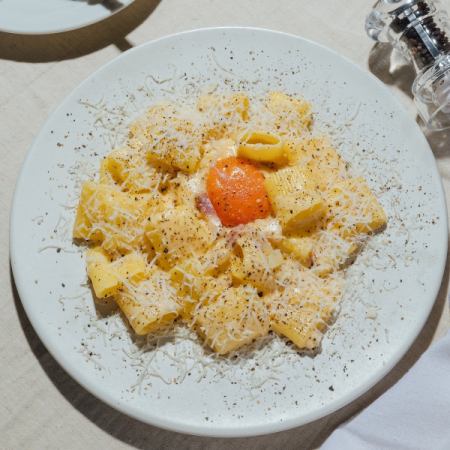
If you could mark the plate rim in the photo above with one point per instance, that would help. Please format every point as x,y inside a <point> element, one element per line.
<point>61,30</point>
<point>200,430</point>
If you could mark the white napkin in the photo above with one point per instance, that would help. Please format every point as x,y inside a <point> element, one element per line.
<point>413,414</point>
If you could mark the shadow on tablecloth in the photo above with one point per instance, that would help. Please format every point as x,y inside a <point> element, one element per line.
<point>75,43</point>
<point>142,436</point>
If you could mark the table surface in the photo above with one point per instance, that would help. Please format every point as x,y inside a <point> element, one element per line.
<point>40,405</point>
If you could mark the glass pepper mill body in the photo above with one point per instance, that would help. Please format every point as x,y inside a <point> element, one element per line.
<point>420,29</point>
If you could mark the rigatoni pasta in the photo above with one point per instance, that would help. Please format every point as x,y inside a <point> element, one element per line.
<point>230,217</point>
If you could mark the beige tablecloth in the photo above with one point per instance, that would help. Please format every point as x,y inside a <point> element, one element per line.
<point>40,405</point>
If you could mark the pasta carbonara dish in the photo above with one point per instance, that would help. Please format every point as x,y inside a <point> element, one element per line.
<point>231,217</point>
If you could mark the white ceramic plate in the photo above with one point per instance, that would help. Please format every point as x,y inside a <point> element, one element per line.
<point>52,16</point>
<point>391,287</point>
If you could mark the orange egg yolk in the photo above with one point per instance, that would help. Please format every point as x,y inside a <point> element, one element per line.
<point>236,190</point>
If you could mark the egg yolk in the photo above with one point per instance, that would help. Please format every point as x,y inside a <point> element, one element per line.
<point>236,190</point>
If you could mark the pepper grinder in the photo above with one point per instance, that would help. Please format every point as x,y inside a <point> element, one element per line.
<point>419,29</point>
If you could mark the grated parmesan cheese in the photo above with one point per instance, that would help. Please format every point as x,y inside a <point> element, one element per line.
<point>229,285</point>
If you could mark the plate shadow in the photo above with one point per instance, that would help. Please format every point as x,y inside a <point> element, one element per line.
<point>38,48</point>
